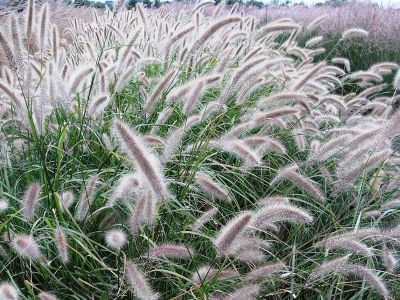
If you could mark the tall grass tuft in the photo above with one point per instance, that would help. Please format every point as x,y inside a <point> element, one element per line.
<point>194,153</point>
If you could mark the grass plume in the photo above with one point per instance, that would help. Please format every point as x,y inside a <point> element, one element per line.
<point>146,161</point>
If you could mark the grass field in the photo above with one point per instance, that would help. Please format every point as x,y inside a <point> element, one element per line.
<point>197,152</point>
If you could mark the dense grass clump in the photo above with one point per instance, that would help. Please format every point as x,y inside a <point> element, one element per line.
<point>182,155</point>
<point>382,24</point>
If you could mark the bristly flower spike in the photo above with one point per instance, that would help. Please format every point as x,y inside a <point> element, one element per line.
<point>128,184</point>
<point>207,216</point>
<point>265,271</point>
<point>206,273</point>
<point>3,205</point>
<point>62,244</point>
<point>66,199</point>
<point>29,201</point>
<point>212,29</point>
<point>139,283</point>
<point>116,238</point>
<point>396,80</point>
<point>87,198</point>
<point>47,296</point>
<point>159,89</point>
<point>209,186</point>
<point>143,212</point>
<point>8,292</point>
<point>26,246</point>
<point>171,251</point>
<point>230,232</point>
<point>342,267</point>
<point>301,181</point>
<point>146,161</point>
<point>247,292</point>
<point>345,243</point>
<point>354,32</point>
<point>389,259</point>
<point>280,212</point>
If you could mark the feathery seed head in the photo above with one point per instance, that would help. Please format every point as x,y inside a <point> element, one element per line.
<point>207,216</point>
<point>193,99</point>
<point>247,292</point>
<point>249,256</point>
<point>368,276</point>
<point>78,80</point>
<point>126,188</point>
<point>3,205</point>
<point>143,212</point>
<point>280,212</point>
<point>116,238</point>
<point>389,259</point>
<point>212,107</point>
<point>301,181</point>
<point>162,118</point>
<point>341,266</point>
<point>283,98</point>
<point>209,186</point>
<point>342,61</point>
<point>8,52</point>
<point>211,30</point>
<point>272,200</point>
<point>394,204</point>
<point>87,198</point>
<point>30,18</point>
<point>29,200</point>
<point>393,232</point>
<point>151,101</point>
<point>206,273</point>
<point>345,243</point>
<point>396,80</point>
<point>230,232</point>
<point>335,265</point>
<point>67,198</point>
<point>314,41</point>
<point>145,160</point>
<point>8,291</point>
<point>354,32</point>
<point>108,220</point>
<point>47,296</point>
<point>265,271</point>
<point>279,25</point>
<point>171,251</point>
<point>273,114</point>
<point>98,104</point>
<point>26,246</point>
<point>61,243</point>
<point>139,283</point>
<point>317,22</point>
<point>249,242</point>
<point>250,157</point>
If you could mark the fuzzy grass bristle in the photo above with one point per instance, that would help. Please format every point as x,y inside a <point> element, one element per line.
<point>212,153</point>
<point>8,291</point>
<point>116,238</point>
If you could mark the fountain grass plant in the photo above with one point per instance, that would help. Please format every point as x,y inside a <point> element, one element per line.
<point>172,155</point>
